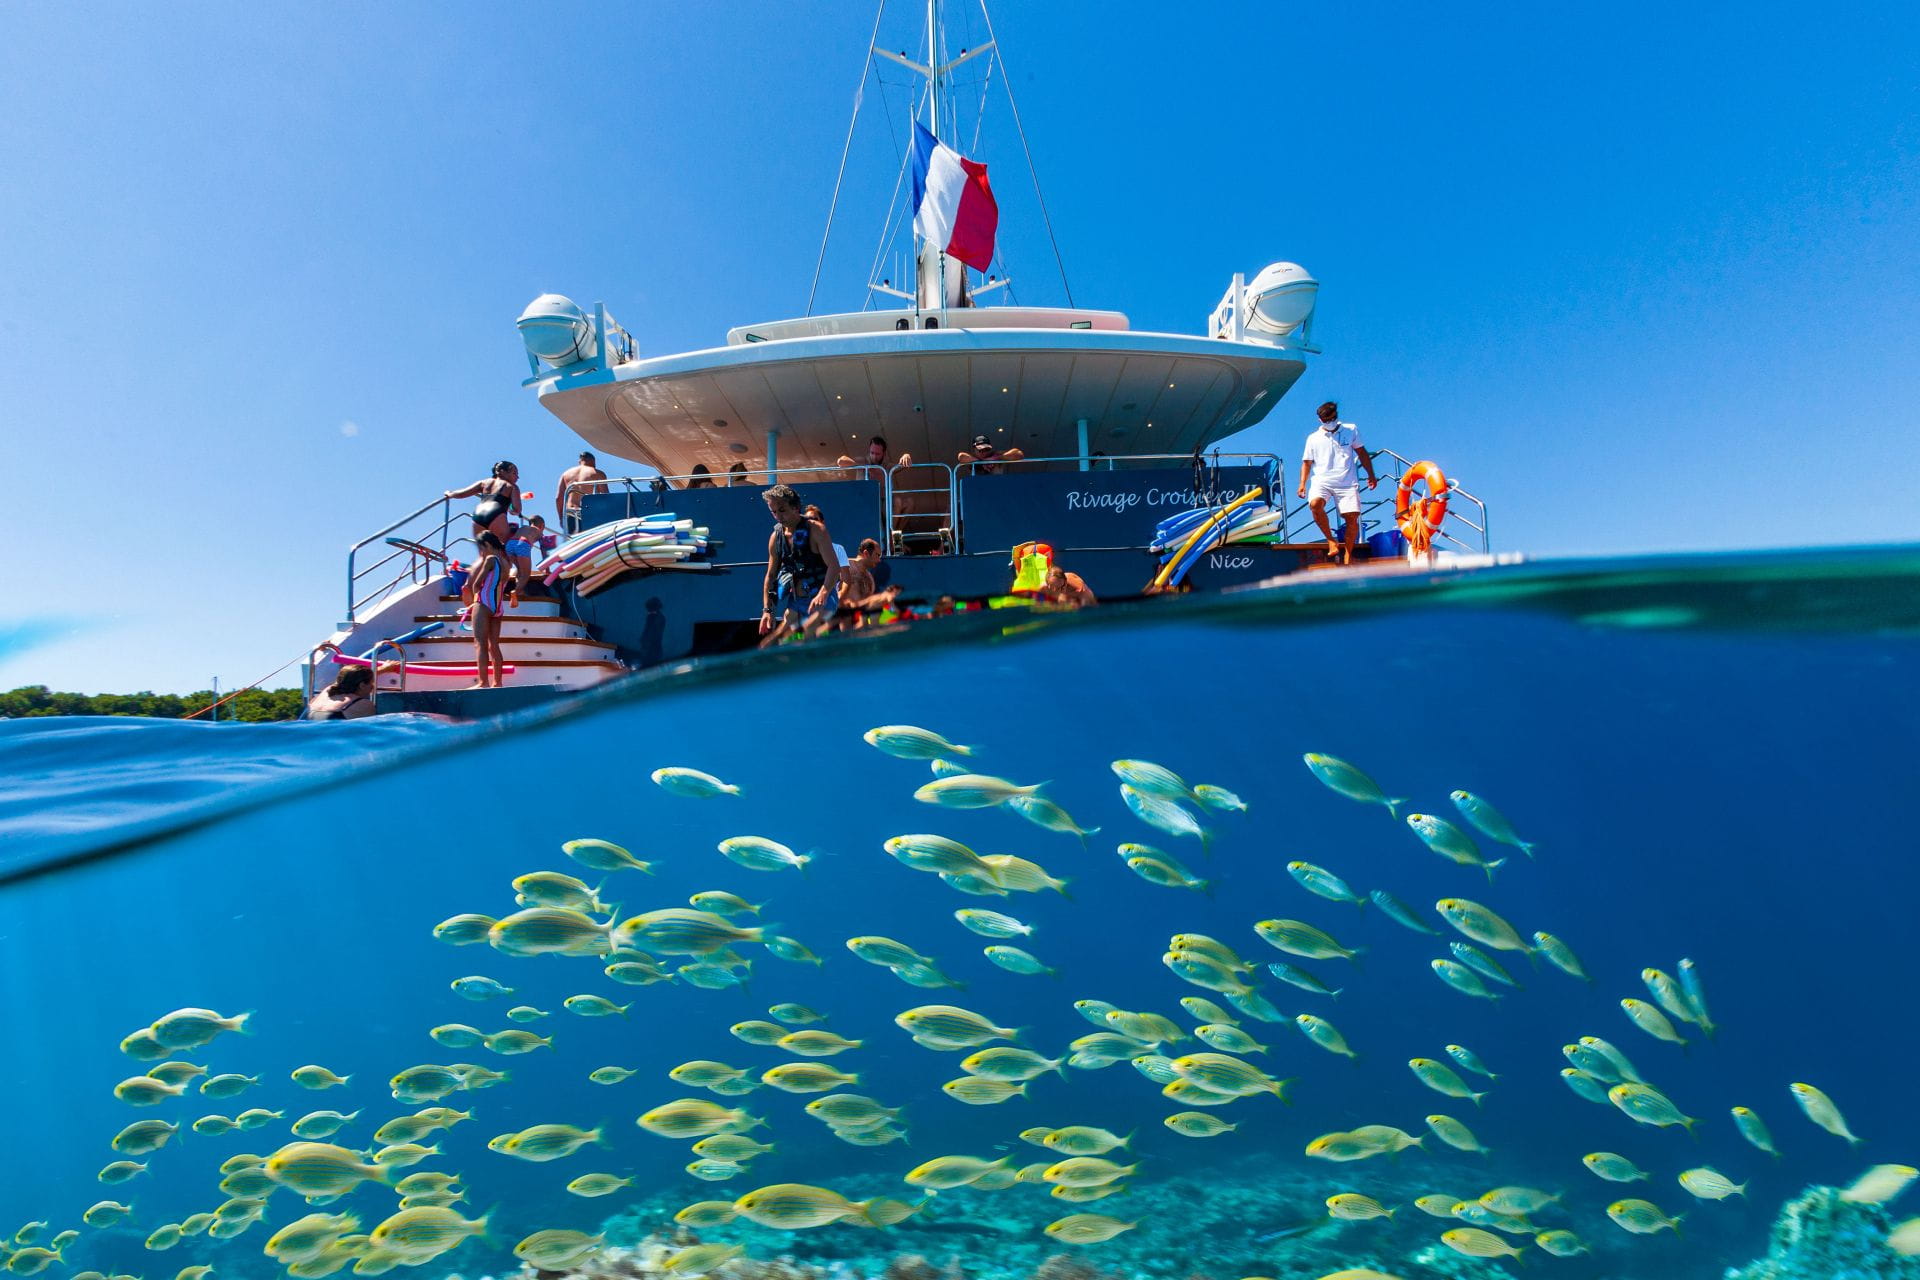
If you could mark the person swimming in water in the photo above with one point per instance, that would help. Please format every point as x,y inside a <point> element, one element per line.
<point>802,567</point>
<point>499,496</point>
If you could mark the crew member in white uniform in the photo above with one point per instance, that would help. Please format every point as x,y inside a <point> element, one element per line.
<point>1327,470</point>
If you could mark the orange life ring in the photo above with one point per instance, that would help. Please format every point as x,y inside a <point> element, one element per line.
<point>1419,518</point>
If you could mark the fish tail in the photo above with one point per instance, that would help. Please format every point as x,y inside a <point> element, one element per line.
<point>1476,1097</point>
<point>1491,867</point>
<point>1393,805</point>
<point>1526,847</point>
<point>959,750</point>
<point>1206,887</point>
<point>731,788</point>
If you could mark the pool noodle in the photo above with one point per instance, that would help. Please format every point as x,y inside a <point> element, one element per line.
<point>417,668</point>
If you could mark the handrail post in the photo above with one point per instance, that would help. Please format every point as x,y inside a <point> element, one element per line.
<point>373,657</point>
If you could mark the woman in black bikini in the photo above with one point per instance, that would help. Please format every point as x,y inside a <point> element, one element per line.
<point>348,698</point>
<point>499,495</point>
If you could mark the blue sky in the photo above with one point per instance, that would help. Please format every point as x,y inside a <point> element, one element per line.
<point>1645,278</point>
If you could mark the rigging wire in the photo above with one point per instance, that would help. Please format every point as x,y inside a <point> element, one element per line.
<point>886,226</point>
<point>859,95</point>
<point>1006,79</point>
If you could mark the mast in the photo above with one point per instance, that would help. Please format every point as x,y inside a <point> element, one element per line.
<point>933,67</point>
<point>930,292</point>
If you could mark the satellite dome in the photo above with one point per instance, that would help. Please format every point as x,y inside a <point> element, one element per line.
<point>556,330</point>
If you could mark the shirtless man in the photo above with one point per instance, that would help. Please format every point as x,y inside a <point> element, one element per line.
<point>858,592</point>
<point>567,505</point>
<point>876,456</point>
<point>1068,589</point>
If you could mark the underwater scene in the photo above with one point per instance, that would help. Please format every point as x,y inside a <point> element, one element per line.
<point>1549,919</point>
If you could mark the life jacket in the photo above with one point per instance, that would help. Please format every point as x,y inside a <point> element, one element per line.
<point>1031,563</point>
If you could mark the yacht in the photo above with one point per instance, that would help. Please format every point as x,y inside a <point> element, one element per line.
<point>1107,450</point>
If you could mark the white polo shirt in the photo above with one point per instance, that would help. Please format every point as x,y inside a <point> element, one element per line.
<point>1331,452</point>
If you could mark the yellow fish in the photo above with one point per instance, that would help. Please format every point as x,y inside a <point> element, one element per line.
<point>1296,937</point>
<point>425,1232</point>
<point>1614,1168</point>
<point>796,1206</point>
<point>1819,1108</point>
<point>1642,1217</point>
<point>1707,1183</point>
<point>696,1118</point>
<point>1442,1079</point>
<point>1880,1184</point>
<point>1652,1021</point>
<point>1087,1228</point>
<point>1197,1124</point>
<point>1353,1207</point>
<point>604,855</point>
<point>1475,1243</point>
<point>972,791</point>
<point>943,1173</point>
<point>1455,1134</point>
<point>910,742</point>
<point>979,1091</point>
<point>322,1169</point>
<point>806,1077</point>
<point>692,783</point>
<point>557,1250</point>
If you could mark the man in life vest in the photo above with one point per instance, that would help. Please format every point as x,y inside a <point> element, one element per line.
<point>1032,561</point>
<point>1328,461</point>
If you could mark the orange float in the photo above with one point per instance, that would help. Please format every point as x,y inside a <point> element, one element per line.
<point>1419,518</point>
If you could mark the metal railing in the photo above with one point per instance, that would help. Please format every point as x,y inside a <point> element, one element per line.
<point>367,583</point>
<point>943,520</point>
<point>635,485</point>
<point>1389,467</point>
<point>1465,528</point>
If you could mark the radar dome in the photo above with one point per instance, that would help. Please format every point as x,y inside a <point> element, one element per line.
<point>556,330</point>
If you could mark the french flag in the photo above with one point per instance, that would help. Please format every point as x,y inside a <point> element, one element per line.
<point>953,206</point>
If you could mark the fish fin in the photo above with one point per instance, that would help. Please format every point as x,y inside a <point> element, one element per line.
<point>1476,1097</point>
<point>1526,847</point>
<point>959,750</point>
<point>1393,805</point>
<point>1206,887</point>
<point>1335,993</point>
<point>1675,1223</point>
<point>1491,867</point>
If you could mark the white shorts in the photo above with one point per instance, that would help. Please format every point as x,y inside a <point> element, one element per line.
<point>1348,496</point>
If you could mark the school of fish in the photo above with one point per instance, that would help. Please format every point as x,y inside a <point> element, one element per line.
<point>405,1215</point>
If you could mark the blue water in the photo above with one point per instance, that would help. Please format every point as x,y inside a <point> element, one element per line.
<point>1714,757</point>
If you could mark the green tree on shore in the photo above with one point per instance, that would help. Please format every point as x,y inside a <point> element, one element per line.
<point>253,705</point>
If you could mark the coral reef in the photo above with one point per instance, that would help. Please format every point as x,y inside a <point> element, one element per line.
<point>1822,1237</point>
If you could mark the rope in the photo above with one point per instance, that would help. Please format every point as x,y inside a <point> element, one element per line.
<point>859,96</point>
<point>244,688</point>
<point>1006,79</point>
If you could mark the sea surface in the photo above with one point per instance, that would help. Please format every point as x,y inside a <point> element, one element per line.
<point>1714,757</point>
